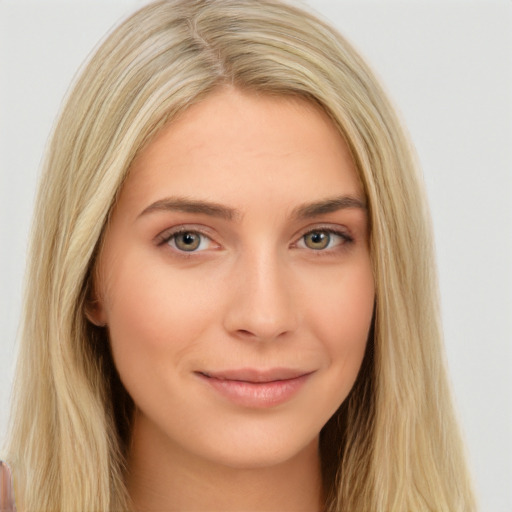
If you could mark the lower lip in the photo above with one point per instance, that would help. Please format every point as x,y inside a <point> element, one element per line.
<point>258,395</point>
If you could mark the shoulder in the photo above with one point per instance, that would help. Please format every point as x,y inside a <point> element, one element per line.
<point>6,489</point>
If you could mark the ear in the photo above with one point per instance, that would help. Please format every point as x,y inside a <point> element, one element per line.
<point>95,312</point>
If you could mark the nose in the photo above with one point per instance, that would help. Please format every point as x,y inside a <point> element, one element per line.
<point>261,306</point>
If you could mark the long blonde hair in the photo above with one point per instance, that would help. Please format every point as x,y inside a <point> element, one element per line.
<point>394,443</point>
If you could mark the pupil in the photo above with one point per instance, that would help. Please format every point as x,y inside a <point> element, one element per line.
<point>318,240</point>
<point>188,241</point>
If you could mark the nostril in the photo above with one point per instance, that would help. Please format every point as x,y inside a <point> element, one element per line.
<point>262,308</point>
<point>245,332</point>
<point>260,334</point>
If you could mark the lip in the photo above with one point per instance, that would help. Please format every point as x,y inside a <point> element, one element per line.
<point>255,388</point>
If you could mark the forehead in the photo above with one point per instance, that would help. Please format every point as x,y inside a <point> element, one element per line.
<point>233,143</point>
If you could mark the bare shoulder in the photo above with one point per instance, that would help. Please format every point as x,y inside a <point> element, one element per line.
<point>6,489</point>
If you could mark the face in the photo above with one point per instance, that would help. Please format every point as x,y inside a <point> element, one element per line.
<point>235,280</point>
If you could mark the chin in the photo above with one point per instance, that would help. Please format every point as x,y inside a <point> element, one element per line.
<point>260,450</point>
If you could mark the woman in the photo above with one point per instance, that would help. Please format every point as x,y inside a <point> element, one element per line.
<point>231,302</point>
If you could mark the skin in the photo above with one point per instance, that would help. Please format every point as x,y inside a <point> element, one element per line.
<point>256,293</point>
<point>6,490</point>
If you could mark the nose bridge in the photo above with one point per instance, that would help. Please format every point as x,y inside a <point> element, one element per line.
<point>261,303</point>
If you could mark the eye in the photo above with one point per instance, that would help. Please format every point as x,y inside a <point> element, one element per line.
<point>188,241</point>
<point>322,239</point>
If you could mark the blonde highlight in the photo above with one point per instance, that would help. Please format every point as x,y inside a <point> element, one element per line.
<point>394,444</point>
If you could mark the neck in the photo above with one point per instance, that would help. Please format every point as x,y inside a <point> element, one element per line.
<point>172,479</point>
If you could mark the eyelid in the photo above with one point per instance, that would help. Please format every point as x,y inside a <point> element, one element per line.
<point>166,235</point>
<point>325,228</point>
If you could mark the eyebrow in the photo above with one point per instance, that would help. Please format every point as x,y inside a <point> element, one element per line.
<point>183,204</point>
<point>330,205</point>
<point>212,209</point>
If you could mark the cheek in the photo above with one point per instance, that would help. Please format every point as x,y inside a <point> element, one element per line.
<point>341,317</point>
<point>153,315</point>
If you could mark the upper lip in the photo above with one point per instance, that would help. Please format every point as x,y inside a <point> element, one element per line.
<point>256,375</point>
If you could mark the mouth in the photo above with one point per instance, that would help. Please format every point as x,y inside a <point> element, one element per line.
<point>255,388</point>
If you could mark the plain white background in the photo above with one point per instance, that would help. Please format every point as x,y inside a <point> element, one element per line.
<point>448,67</point>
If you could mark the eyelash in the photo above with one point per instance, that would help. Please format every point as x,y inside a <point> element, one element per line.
<point>343,235</point>
<point>165,237</point>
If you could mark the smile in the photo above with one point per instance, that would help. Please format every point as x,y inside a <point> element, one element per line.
<point>255,388</point>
